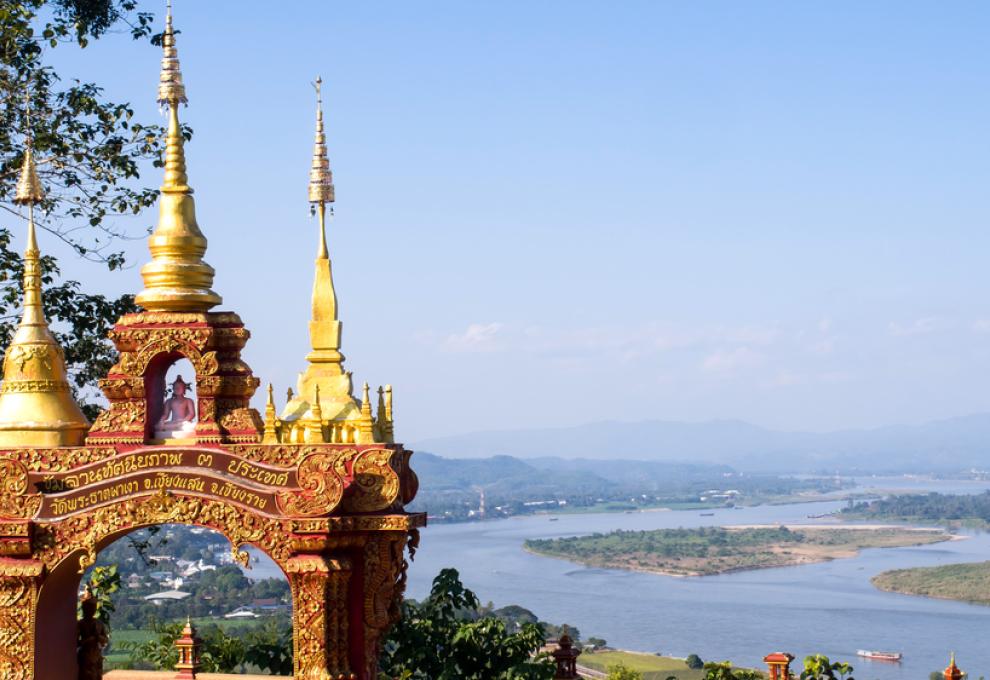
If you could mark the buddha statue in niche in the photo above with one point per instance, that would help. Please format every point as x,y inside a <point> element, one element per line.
<point>178,413</point>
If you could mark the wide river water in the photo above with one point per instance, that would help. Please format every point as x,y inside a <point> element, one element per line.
<point>829,608</point>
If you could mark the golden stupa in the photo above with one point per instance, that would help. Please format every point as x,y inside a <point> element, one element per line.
<point>36,404</point>
<point>177,279</point>
<point>323,408</point>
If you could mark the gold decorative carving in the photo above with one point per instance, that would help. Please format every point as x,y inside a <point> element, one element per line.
<point>240,419</point>
<point>15,501</point>
<point>383,584</point>
<point>170,318</point>
<point>376,485</point>
<point>319,595</point>
<point>87,531</point>
<point>126,416</point>
<point>34,386</point>
<point>18,608</point>
<point>22,355</point>
<point>321,487</point>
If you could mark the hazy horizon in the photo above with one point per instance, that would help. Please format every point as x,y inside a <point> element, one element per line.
<point>560,213</point>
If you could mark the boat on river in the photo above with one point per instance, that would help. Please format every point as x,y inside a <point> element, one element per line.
<point>878,656</point>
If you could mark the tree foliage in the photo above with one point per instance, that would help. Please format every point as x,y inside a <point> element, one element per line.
<point>103,582</point>
<point>819,667</point>
<point>445,638</point>
<point>267,647</point>
<point>90,152</point>
<point>724,670</point>
<point>621,671</point>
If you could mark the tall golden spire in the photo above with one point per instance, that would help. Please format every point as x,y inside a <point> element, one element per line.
<point>325,369</point>
<point>177,278</point>
<point>36,404</point>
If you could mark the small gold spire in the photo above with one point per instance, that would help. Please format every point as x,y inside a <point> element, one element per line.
<point>177,279</point>
<point>381,404</point>
<point>366,424</point>
<point>317,409</point>
<point>388,427</point>
<point>315,434</point>
<point>366,401</point>
<point>270,433</point>
<point>36,403</point>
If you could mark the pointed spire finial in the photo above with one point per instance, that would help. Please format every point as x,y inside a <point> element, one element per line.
<point>177,279</point>
<point>36,404</point>
<point>171,90</point>
<point>29,190</point>
<point>321,189</point>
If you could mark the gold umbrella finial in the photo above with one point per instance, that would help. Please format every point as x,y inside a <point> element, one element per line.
<point>29,191</point>
<point>321,189</point>
<point>171,90</point>
<point>177,279</point>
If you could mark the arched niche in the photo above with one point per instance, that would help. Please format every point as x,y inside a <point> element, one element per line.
<point>56,623</point>
<point>159,380</point>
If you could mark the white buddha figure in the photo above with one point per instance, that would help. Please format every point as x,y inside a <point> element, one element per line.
<point>178,419</point>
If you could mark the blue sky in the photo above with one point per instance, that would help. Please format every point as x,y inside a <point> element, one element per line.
<point>551,213</point>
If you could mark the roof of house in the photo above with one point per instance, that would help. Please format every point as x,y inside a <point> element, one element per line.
<point>168,595</point>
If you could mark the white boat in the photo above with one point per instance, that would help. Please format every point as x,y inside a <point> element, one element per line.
<point>879,656</point>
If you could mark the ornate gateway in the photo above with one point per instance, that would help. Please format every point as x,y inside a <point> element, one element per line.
<point>319,488</point>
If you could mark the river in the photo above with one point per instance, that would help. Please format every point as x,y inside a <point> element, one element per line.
<point>828,608</point>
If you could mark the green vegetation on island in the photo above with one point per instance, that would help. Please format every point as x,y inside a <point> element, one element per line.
<point>964,582</point>
<point>714,550</point>
<point>939,508</point>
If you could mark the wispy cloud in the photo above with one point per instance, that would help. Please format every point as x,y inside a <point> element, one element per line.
<point>921,326</point>
<point>730,360</point>
<point>478,337</point>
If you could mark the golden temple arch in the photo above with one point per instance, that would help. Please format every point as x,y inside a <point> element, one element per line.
<point>320,488</point>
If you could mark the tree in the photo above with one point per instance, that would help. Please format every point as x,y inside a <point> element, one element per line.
<point>269,647</point>
<point>724,671</point>
<point>102,584</point>
<point>620,671</point>
<point>220,653</point>
<point>90,152</point>
<point>157,652</point>
<point>597,642</point>
<point>818,667</point>
<point>694,662</point>
<point>446,638</point>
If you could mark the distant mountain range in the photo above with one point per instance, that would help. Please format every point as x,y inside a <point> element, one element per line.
<point>938,446</point>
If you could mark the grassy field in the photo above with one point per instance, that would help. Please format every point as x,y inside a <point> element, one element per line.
<point>965,582</point>
<point>716,550</point>
<point>652,667</point>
